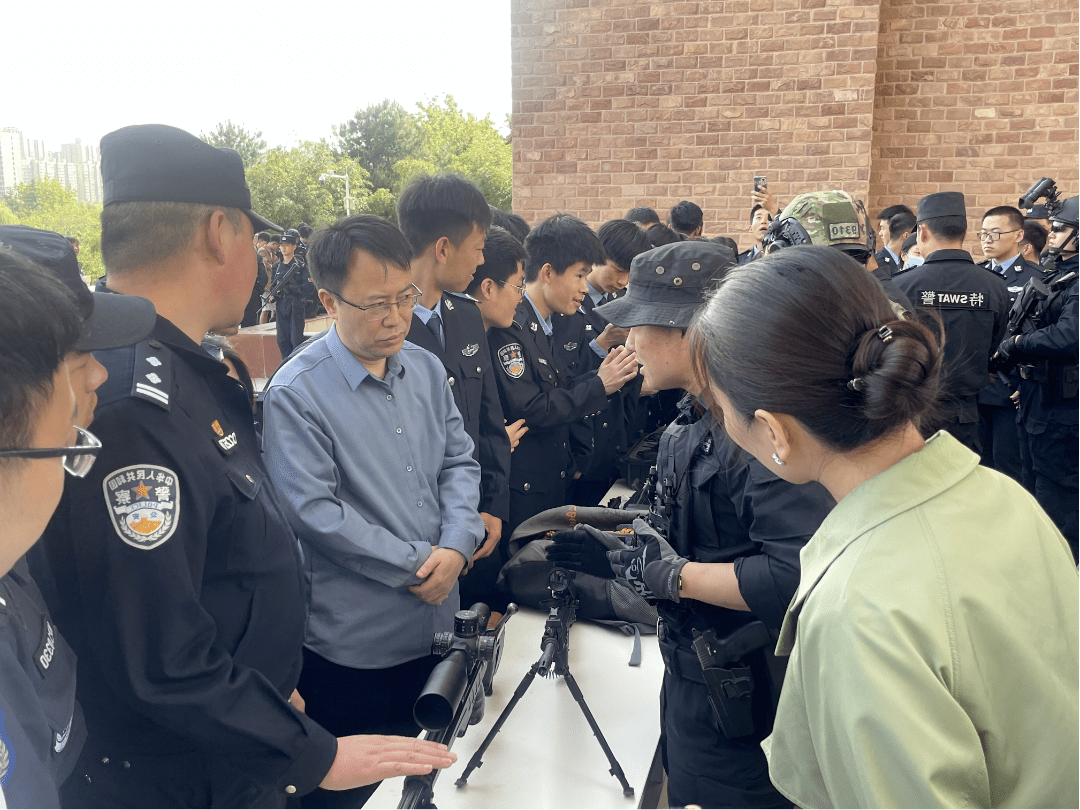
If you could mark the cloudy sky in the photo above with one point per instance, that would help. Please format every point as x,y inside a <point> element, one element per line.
<point>290,70</point>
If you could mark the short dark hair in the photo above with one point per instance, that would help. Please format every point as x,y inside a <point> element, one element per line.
<point>304,230</point>
<point>951,228</point>
<point>263,236</point>
<point>331,249</point>
<point>759,207</point>
<point>136,234</point>
<point>561,241</point>
<point>275,237</point>
<point>435,206</point>
<point>899,223</point>
<point>686,217</point>
<point>73,239</point>
<point>518,226</point>
<point>1014,215</point>
<point>502,253</point>
<point>799,334</point>
<point>1035,235</point>
<point>643,214</point>
<point>892,210</point>
<point>622,241</point>
<point>39,325</point>
<point>660,234</point>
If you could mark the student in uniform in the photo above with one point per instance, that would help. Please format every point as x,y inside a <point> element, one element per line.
<point>933,639</point>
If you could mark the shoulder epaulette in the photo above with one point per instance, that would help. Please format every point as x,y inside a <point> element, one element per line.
<point>151,374</point>
<point>462,295</point>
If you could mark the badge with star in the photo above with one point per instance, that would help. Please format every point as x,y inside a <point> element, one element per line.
<point>144,504</point>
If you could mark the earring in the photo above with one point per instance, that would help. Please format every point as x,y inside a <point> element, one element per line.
<point>776,458</point>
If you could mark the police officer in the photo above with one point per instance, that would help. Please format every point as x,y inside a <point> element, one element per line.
<point>582,341</point>
<point>834,219</point>
<point>1043,343</point>
<point>287,283</point>
<point>43,730</point>
<point>1000,236</point>
<point>534,384</point>
<point>178,578</point>
<point>895,224</point>
<point>721,557</point>
<point>972,305</point>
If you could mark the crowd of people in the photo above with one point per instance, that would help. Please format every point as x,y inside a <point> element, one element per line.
<point>863,504</point>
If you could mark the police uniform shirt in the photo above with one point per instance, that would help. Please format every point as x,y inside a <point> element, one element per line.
<point>1016,272</point>
<point>179,588</point>
<point>471,374</point>
<point>536,387</point>
<point>749,255</point>
<point>974,307</point>
<point>888,261</point>
<point>41,726</point>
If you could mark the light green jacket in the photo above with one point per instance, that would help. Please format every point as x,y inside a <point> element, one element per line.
<point>934,647</point>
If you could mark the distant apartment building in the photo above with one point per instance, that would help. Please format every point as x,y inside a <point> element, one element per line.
<point>75,166</point>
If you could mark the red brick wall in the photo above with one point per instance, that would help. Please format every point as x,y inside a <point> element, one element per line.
<point>625,103</point>
<point>978,97</point>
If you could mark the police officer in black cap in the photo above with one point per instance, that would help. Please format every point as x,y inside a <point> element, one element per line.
<point>972,304</point>
<point>721,555</point>
<point>178,579</point>
<point>288,280</point>
<point>1044,345</point>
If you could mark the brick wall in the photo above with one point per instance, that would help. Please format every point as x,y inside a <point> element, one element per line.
<point>624,103</point>
<point>979,97</point>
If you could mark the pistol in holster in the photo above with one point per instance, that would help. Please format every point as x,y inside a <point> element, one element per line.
<point>729,677</point>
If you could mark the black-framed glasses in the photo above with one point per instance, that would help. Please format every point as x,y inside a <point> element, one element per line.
<point>993,236</point>
<point>378,312</point>
<point>521,290</point>
<point>77,459</point>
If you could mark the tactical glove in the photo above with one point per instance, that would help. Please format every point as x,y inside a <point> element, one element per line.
<point>653,569</point>
<point>584,549</point>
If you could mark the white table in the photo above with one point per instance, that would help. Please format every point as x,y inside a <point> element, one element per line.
<point>545,756</point>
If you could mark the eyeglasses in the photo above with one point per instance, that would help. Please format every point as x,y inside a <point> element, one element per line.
<point>993,236</point>
<point>521,290</point>
<point>378,312</point>
<point>77,459</point>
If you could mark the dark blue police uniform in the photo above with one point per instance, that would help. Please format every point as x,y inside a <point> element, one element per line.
<point>997,412</point>
<point>290,305</point>
<point>973,306</point>
<point>535,385</point>
<point>178,584</point>
<point>41,726</point>
<point>1046,354</point>
<point>467,359</point>
<point>716,504</point>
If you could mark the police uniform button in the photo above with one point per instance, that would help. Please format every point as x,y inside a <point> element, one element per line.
<point>526,487</point>
<point>677,282</point>
<point>478,369</point>
<point>671,323</point>
<point>695,266</point>
<point>562,474</point>
<point>398,430</point>
<point>605,424</point>
<point>104,760</point>
<point>419,503</point>
<point>389,396</point>
<point>408,469</point>
<point>290,789</point>
<point>126,764</point>
<point>660,270</point>
<point>250,479</point>
<point>451,381</point>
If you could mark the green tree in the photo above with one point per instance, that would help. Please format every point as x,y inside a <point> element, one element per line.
<point>452,140</point>
<point>7,216</point>
<point>285,185</point>
<point>382,203</point>
<point>250,145</point>
<point>378,136</point>
<point>48,205</point>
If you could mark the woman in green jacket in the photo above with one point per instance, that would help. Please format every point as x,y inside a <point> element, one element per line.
<point>934,634</point>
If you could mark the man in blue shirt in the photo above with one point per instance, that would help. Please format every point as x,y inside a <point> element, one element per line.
<point>376,474</point>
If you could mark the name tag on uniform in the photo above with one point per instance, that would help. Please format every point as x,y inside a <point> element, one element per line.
<point>950,299</point>
<point>43,656</point>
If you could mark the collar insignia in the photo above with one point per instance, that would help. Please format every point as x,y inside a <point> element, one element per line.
<point>471,349</point>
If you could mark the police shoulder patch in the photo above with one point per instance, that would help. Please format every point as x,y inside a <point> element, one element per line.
<point>144,504</point>
<point>512,360</point>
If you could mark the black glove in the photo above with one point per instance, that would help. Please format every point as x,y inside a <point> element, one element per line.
<point>583,549</point>
<point>653,569</point>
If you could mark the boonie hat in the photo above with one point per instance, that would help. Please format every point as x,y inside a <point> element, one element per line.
<point>668,284</point>
<point>110,320</point>
<point>159,163</point>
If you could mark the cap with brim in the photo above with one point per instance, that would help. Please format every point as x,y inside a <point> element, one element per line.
<point>158,163</point>
<point>942,204</point>
<point>668,284</point>
<point>110,321</point>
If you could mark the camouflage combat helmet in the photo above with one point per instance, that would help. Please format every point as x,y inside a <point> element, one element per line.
<point>832,218</point>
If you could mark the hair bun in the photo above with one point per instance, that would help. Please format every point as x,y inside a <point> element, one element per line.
<point>897,367</point>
